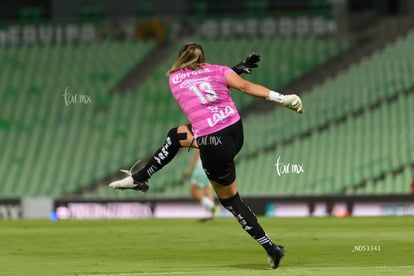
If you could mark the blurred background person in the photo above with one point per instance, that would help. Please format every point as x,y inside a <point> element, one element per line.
<point>200,187</point>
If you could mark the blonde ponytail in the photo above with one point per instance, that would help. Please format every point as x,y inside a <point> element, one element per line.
<point>190,56</point>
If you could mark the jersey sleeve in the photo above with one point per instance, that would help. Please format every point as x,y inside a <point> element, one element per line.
<point>227,70</point>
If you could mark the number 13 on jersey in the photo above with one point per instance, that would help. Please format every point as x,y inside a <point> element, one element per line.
<point>204,92</point>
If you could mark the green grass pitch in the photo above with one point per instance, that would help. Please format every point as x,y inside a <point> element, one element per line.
<point>315,246</point>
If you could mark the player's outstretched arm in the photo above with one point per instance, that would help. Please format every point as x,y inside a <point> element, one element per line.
<point>291,101</point>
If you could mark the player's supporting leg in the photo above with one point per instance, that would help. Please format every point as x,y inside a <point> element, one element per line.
<point>230,199</point>
<point>177,137</point>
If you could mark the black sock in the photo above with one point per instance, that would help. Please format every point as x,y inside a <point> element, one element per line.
<point>162,156</point>
<point>247,220</point>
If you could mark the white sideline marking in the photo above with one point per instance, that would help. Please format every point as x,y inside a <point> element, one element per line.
<point>158,273</point>
<point>228,271</point>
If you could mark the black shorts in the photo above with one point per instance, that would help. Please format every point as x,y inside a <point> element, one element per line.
<point>217,152</point>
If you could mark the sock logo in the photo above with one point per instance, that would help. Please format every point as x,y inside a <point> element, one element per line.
<point>164,151</point>
<point>243,222</point>
<point>151,170</point>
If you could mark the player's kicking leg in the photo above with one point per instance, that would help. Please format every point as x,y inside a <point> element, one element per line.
<point>177,138</point>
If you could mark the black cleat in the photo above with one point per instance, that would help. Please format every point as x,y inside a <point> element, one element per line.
<point>275,256</point>
<point>142,186</point>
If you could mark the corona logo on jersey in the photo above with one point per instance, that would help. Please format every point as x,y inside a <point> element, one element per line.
<point>178,77</point>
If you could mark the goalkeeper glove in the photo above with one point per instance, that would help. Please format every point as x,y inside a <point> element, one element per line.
<point>291,101</point>
<point>247,64</point>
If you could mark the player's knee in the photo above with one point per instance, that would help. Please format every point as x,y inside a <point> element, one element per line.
<point>172,133</point>
<point>173,139</point>
<point>177,136</point>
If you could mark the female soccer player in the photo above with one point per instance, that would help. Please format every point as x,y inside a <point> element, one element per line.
<point>203,93</point>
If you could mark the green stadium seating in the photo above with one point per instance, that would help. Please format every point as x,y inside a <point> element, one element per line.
<point>343,156</point>
<point>49,148</point>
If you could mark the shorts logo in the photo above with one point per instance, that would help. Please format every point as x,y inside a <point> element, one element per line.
<point>224,176</point>
<point>209,140</point>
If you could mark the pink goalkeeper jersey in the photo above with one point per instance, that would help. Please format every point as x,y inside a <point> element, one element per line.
<point>205,98</point>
